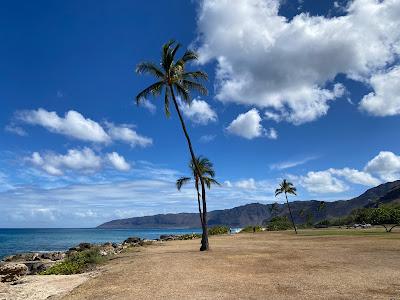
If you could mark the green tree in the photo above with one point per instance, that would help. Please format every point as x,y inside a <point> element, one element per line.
<point>287,187</point>
<point>172,77</point>
<point>273,208</point>
<point>207,173</point>
<point>386,216</point>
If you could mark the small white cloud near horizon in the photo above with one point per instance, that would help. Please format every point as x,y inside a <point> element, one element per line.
<point>322,182</point>
<point>199,111</point>
<point>118,161</point>
<point>248,125</point>
<point>125,133</point>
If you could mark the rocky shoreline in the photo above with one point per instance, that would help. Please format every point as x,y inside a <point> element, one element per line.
<point>14,267</point>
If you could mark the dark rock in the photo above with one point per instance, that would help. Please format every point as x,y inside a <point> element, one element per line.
<point>12,271</point>
<point>169,237</point>
<point>35,267</point>
<point>133,241</point>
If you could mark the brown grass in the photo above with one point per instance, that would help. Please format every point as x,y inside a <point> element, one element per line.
<point>266,265</point>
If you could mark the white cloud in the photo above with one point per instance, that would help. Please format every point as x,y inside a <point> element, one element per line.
<point>385,100</point>
<point>199,111</point>
<point>248,125</point>
<point>355,176</point>
<point>290,66</point>
<point>291,163</point>
<point>73,124</point>
<point>12,128</point>
<point>207,138</point>
<point>322,182</point>
<point>118,161</point>
<point>84,160</point>
<point>126,133</point>
<point>246,184</point>
<point>386,165</point>
<point>149,106</point>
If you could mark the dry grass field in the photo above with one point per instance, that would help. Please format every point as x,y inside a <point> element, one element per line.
<point>316,264</point>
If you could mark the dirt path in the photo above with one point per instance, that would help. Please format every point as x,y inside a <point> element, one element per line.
<point>255,266</point>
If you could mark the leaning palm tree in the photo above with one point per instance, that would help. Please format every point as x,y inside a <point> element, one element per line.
<point>172,77</point>
<point>207,173</point>
<point>287,188</point>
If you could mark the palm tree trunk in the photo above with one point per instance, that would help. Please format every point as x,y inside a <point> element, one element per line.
<point>198,200</point>
<point>290,212</point>
<point>204,237</point>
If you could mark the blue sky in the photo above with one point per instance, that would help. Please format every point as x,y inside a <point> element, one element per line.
<point>304,90</point>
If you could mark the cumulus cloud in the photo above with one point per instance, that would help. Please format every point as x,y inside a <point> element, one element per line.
<point>386,165</point>
<point>290,66</point>
<point>356,176</point>
<point>84,160</point>
<point>199,111</point>
<point>248,125</point>
<point>385,99</point>
<point>246,184</point>
<point>322,182</point>
<point>73,124</point>
<point>118,161</point>
<point>125,133</point>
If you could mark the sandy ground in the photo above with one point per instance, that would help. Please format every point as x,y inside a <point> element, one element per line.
<point>254,266</point>
<point>42,287</point>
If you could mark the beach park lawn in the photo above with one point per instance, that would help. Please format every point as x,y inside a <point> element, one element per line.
<point>315,264</point>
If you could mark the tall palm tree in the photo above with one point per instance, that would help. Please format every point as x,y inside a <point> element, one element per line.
<point>287,187</point>
<point>207,173</point>
<point>172,77</point>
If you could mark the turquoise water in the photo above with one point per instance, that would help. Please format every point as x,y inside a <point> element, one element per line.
<point>58,239</point>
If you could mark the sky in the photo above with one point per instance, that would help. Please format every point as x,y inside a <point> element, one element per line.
<point>304,90</point>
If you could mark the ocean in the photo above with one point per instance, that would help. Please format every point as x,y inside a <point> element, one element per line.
<point>14,241</point>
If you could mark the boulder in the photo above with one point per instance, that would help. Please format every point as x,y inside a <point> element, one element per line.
<point>54,256</point>
<point>169,237</point>
<point>12,271</point>
<point>35,267</point>
<point>133,241</point>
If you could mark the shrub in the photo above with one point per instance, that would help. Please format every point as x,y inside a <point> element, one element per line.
<point>251,229</point>
<point>279,223</point>
<point>77,263</point>
<point>218,230</point>
<point>190,236</point>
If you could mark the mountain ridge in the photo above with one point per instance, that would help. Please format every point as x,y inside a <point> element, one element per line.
<point>257,213</point>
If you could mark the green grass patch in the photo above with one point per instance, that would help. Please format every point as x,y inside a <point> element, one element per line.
<point>77,263</point>
<point>218,230</point>
<point>350,232</point>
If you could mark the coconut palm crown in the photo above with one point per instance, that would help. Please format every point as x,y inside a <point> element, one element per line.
<point>287,187</point>
<point>207,172</point>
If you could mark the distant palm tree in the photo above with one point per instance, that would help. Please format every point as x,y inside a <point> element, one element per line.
<point>322,206</point>
<point>172,77</point>
<point>273,208</point>
<point>207,173</point>
<point>287,188</point>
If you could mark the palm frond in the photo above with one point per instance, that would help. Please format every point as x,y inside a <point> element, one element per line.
<point>183,92</point>
<point>195,86</point>
<point>166,59</point>
<point>188,56</point>
<point>149,68</point>
<point>181,181</point>
<point>198,75</point>
<point>208,181</point>
<point>152,90</point>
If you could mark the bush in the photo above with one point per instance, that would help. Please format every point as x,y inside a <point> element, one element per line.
<point>77,263</point>
<point>251,229</point>
<point>279,223</point>
<point>218,230</point>
<point>190,236</point>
